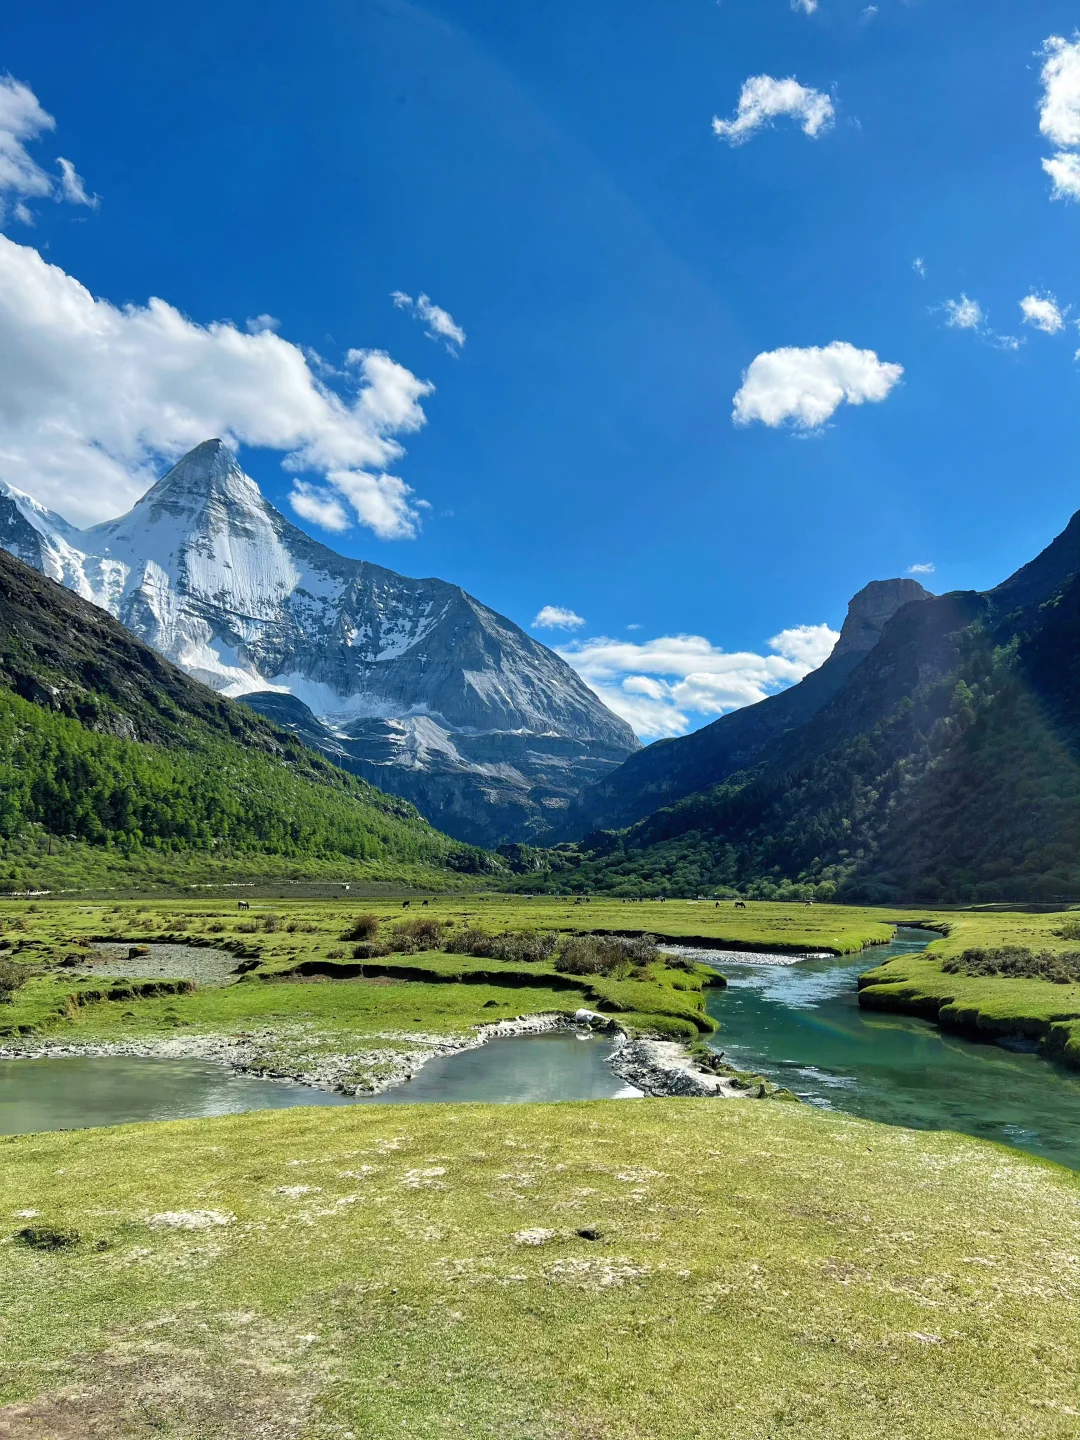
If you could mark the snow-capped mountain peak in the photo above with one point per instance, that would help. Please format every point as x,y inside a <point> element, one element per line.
<point>207,571</point>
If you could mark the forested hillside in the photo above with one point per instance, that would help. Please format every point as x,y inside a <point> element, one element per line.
<point>108,749</point>
<point>946,768</point>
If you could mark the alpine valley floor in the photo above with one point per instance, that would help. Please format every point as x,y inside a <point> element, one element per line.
<point>660,1268</point>
<point>602,1270</point>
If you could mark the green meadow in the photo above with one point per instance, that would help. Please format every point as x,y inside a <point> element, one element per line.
<point>665,1268</point>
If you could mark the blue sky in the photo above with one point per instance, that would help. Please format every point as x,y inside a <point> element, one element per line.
<point>549,176</point>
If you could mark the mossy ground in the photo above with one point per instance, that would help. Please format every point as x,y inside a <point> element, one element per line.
<point>760,1271</point>
<point>988,1006</point>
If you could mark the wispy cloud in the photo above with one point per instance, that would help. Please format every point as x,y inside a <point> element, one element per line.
<point>925,567</point>
<point>963,314</point>
<point>24,120</point>
<point>919,266</point>
<point>806,6</point>
<point>557,617</point>
<point>95,397</point>
<point>72,187</point>
<point>658,685</point>
<point>968,314</point>
<point>440,323</point>
<point>764,99</point>
<point>256,324</point>
<point>805,387</point>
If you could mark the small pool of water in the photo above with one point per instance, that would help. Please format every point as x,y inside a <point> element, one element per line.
<point>516,1071</point>
<point>801,1025</point>
<point>71,1092</point>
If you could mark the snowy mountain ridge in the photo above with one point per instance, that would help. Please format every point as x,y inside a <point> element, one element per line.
<point>420,687</point>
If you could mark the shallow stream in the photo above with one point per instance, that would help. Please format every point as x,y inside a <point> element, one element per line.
<point>68,1092</point>
<point>801,1025</point>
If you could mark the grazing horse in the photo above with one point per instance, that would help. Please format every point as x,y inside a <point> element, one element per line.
<point>808,902</point>
<point>243,904</point>
<point>405,904</point>
<point>740,904</point>
<point>425,902</point>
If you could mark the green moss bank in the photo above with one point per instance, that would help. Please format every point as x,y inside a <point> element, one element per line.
<point>986,1007</point>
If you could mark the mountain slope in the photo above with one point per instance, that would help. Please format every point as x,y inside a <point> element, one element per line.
<point>669,770</point>
<point>113,751</point>
<point>945,767</point>
<point>454,707</point>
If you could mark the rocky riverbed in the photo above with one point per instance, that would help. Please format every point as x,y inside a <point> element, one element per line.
<point>656,1067</point>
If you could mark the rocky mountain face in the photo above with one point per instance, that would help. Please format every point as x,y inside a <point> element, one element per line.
<point>945,766</point>
<point>413,684</point>
<point>667,771</point>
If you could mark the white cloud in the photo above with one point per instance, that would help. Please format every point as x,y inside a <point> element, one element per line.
<point>380,501</point>
<point>254,324</point>
<point>968,314</point>
<point>440,322</point>
<point>1059,113</point>
<point>963,314</point>
<point>72,187</point>
<point>1064,171</point>
<point>919,266</point>
<point>807,386</point>
<point>926,567</point>
<point>659,684</point>
<point>320,507</point>
<point>1044,313</point>
<point>556,617</point>
<point>22,120</point>
<point>806,6</point>
<point>764,99</point>
<point>94,397</point>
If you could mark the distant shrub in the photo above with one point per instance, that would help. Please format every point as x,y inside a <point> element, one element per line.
<point>605,955</point>
<point>271,923</point>
<point>363,927</point>
<point>1015,962</point>
<point>1070,930</point>
<point>12,976</point>
<point>420,933</point>
<point>366,950</point>
<point>516,946</point>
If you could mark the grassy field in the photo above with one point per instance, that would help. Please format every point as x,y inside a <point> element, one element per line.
<point>365,1026</point>
<point>432,993</point>
<point>599,1271</point>
<point>984,1005</point>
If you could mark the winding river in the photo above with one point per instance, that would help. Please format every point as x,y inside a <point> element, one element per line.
<point>798,1024</point>
<point>801,1025</point>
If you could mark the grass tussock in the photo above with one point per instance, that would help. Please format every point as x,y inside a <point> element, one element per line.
<point>1062,968</point>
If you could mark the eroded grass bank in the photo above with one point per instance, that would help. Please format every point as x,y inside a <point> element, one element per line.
<point>939,985</point>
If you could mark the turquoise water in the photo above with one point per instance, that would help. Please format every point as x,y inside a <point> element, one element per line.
<point>801,1025</point>
<point>70,1092</point>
